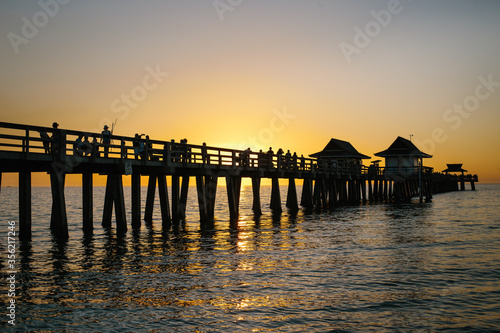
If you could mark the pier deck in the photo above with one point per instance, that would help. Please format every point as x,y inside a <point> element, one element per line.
<point>25,149</point>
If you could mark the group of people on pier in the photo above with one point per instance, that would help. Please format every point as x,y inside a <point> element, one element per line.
<point>82,146</point>
<point>265,160</point>
<point>179,151</point>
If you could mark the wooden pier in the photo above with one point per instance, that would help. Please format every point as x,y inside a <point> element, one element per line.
<point>327,184</point>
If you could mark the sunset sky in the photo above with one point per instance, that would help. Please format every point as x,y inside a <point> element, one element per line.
<point>287,74</point>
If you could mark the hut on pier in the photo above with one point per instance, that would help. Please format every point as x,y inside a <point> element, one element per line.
<point>340,154</point>
<point>454,168</point>
<point>457,168</point>
<point>402,157</point>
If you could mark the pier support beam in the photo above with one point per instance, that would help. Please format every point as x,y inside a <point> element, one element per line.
<point>58,220</point>
<point>363,189</point>
<point>164,203</point>
<point>136,200</point>
<point>257,209</point>
<point>233,185</point>
<point>150,199</point>
<point>114,195</point>
<point>179,200</point>
<point>183,198</point>
<point>211,192</point>
<point>202,199</point>
<point>291,198</point>
<point>88,202</point>
<point>332,196</point>
<point>306,200</point>
<point>24,205</point>
<point>175,199</point>
<point>275,204</point>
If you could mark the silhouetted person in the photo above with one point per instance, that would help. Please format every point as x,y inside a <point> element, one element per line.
<point>294,160</point>
<point>138,146</point>
<point>106,140</point>
<point>55,138</point>
<point>280,157</point>
<point>263,161</point>
<point>95,147</point>
<point>78,146</point>
<point>288,159</point>
<point>46,141</point>
<point>87,146</point>
<point>270,154</point>
<point>185,151</point>
<point>149,149</point>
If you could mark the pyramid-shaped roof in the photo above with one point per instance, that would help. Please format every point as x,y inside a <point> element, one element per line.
<point>402,147</point>
<point>454,168</point>
<point>336,149</point>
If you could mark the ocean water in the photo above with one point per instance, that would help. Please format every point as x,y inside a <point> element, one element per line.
<point>371,268</point>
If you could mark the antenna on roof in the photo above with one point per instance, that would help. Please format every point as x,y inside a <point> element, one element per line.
<point>411,136</point>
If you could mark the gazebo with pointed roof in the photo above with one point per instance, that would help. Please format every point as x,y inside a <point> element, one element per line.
<point>454,168</point>
<point>402,156</point>
<point>339,150</point>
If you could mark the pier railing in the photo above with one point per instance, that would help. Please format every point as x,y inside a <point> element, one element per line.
<point>44,143</point>
<point>36,143</point>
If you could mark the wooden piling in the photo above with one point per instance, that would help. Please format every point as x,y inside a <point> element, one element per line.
<point>136,200</point>
<point>291,198</point>
<point>183,198</point>
<point>370,190</point>
<point>317,194</point>
<point>211,192</point>
<point>233,185</point>
<point>164,203</point>
<point>275,204</point>
<point>108,205</point>
<point>88,202</point>
<point>257,209</point>
<point>58,220</point>
<point>332,196</point>
<point>119,199</point>
<point>25,205</point>
<point>114,196</point>
<point>175,199</point>
<point>150,198</point>
<point>202,202</point>
<point>306,200</point>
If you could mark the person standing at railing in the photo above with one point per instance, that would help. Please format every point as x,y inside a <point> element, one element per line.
<point>87,146</point>
<point>78,146</point>
<point>55,138</point>
<point>138,146</point>
<point>270,154</point>
<point>46,141</point>
<point>95,147</point>
<point>106,140</point>
<point>294,161</point>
